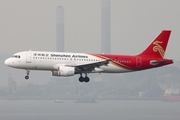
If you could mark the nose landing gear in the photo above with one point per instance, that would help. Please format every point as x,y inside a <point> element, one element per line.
<point>27,76</point>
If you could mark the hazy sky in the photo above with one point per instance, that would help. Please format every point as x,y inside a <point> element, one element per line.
<point>31,24</point>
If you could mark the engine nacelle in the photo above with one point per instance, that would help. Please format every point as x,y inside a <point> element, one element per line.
<point>64,71</point>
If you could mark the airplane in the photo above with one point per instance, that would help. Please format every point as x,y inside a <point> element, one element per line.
<point>68,64</point>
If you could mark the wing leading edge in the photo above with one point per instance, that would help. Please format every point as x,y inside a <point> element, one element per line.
<point>90,67</point>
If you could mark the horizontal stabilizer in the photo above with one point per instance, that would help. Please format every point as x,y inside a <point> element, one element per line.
<point>158,62</point>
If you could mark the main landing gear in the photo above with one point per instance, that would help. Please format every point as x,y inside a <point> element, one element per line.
<point>84,79</point>
<point>27,76</point>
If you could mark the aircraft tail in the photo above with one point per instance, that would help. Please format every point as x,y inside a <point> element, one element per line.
<point>158,47</point>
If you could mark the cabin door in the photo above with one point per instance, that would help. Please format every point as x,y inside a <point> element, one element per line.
<point>28,57</point>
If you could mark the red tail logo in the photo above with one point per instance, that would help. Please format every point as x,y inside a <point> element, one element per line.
<point>158,48</point>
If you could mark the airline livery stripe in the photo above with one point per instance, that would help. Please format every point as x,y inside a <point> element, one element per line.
<point>114,62</point>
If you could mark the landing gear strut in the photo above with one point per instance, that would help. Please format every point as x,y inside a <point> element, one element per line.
<point>27,76</point>
<point>84,79</point>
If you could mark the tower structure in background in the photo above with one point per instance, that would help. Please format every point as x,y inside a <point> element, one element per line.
<point>12,85</point>
<point>10,81</point>
<point>60,29</point>
<point>105,26</point>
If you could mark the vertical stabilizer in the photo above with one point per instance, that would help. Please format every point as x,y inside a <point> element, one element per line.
<point>158,47</point>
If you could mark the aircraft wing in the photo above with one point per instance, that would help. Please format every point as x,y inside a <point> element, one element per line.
<point>86,68</point>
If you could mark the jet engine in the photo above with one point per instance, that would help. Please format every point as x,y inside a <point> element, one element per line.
<point>64,71</point>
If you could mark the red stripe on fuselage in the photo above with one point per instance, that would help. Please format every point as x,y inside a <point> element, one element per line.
<point>125,62</point>
<point>133,63</point>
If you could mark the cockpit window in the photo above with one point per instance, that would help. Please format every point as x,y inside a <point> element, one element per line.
<point>16,56</point>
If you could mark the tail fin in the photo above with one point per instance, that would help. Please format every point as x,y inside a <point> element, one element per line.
<point>158,47</point>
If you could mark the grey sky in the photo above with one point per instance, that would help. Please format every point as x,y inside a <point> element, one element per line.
<point>31,24</point>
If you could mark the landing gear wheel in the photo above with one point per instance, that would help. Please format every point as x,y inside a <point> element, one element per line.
<point>26,77</point>
<point>86,79</point>
<point>81,79</point>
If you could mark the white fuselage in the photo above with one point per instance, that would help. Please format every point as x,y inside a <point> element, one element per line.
<point>69,64</point>
<point>40,60</point>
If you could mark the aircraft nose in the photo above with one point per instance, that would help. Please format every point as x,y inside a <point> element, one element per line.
<point>7,62</point>
<point>11,63</point>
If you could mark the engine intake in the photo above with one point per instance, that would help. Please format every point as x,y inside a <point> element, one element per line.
<point>64,71</point>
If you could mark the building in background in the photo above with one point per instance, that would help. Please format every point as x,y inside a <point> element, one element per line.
<point>105,27</point>
<point>60,29</point>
